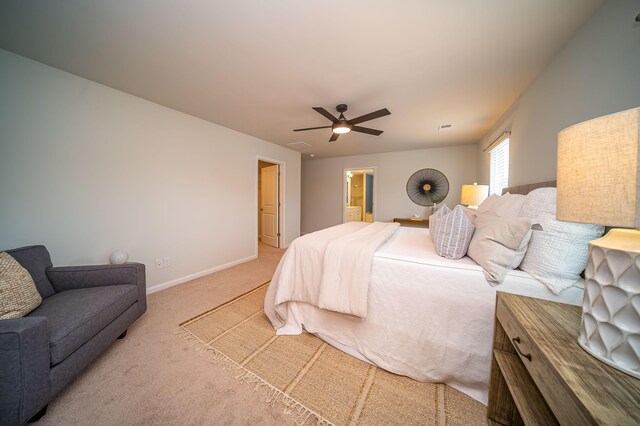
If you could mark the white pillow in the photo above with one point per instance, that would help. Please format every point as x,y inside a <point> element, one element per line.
<point>499,244</point>
<point>557,254</point>
<point>454,233</point>
<point>487,204</point>
<point>507,205</point>
<point>434,220</point>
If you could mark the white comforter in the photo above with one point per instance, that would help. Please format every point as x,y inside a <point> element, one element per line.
<point>328,269</point>
<point>428,318</point>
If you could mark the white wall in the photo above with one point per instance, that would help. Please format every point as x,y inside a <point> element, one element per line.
<point>322,187</point>
<point>597,73</point>
<point>86,169</point>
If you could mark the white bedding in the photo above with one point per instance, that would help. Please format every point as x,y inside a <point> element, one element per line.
<point>328,269</point>
<point>428,317</point>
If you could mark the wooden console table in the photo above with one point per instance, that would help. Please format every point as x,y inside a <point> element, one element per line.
<point>540,375</point>
<point>423,223</point>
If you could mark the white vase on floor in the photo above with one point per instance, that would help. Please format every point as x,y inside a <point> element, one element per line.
<point>118,257</point>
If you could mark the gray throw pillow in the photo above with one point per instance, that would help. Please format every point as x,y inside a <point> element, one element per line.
<point>454,234</point>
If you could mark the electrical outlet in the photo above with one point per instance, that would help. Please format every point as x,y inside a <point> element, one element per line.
<point>159,264</point>
<point>166,262</point>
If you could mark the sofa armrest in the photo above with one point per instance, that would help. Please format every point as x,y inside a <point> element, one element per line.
<point>74,277</point>
<point>24,376</point>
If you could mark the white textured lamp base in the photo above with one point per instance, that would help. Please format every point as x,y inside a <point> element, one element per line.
<point>610,329</point>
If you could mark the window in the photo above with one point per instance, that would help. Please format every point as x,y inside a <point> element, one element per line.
<point>499,168</point>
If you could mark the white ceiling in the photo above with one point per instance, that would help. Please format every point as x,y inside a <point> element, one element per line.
<point>259,66</point>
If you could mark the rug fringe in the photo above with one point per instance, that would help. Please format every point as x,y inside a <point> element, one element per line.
<point>301,415</point>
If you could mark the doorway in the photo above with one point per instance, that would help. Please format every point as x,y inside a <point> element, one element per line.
<point>359,202</point>
<point>269,203</point>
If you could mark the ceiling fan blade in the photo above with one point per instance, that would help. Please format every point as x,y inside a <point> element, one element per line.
<point>311,128</point>
<point>334,137</point>
<point>326,113</point>
<point>371,116</point>
<point>366,130</point>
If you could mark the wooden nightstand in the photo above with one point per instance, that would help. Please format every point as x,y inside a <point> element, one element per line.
<point>423,223</point>
<point>540,375</point>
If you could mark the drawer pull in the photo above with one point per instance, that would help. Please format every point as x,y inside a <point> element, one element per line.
<point>515,341</point>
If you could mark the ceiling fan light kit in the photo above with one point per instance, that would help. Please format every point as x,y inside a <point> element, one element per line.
<point>341,128</point>
<point>341,125</point>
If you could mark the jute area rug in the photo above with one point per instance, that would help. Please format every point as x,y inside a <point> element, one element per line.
<point>315,382</point>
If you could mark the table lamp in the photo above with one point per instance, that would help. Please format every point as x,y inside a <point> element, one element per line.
<point>598,183</point>
<point>474,195</point>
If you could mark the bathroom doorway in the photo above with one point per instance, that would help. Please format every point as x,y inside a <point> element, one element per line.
<point>359,196</point>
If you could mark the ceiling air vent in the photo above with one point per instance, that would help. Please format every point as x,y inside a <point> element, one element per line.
<point>299,145</point>
<point>444,127</point>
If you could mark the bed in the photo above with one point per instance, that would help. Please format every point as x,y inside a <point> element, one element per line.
<point>428,318</point>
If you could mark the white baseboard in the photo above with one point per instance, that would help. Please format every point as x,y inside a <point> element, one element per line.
<point>184,279</point>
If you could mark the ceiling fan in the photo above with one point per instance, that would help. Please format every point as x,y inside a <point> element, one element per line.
<point>341,125</point>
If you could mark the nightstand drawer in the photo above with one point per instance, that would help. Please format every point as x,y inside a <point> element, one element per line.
<point>528,352</point>
<point>537,365</point>
<point>517,336</point>
<point>562,383</point>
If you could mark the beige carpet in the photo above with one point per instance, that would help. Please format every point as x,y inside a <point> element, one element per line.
<point>315,382</point>
<point>153,378</point>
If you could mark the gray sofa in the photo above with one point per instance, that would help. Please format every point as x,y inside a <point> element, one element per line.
<point>84,310</point>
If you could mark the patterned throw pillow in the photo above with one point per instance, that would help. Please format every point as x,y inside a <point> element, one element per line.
<point>434,220</point>
<point>558,252</point>
<point>18,293</point>
<point>454,234</point>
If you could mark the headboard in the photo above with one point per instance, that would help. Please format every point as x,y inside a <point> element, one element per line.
<point>525,189</point>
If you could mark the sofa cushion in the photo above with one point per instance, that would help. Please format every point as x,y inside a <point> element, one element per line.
<point>75,316</point>
<point>36,260</point>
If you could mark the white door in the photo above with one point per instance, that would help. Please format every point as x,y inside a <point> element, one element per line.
<point>269,207</point>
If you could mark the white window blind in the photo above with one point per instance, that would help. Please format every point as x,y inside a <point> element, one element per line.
<point>499,168</point>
